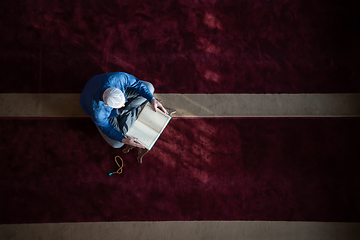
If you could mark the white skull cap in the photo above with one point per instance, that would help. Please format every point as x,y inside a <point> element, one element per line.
<point>114,97</point>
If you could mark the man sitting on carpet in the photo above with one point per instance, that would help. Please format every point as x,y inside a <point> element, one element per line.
<point>113,101</point>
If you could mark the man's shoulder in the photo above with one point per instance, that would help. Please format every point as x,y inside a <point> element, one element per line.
<point>108,75</point>
<point>98,106</point>
<point>119,80</point>
<point>100,111</point>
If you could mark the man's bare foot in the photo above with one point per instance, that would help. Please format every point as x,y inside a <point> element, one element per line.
<point>171,111</point>
<point>127,149</point>
<point>141,153</point>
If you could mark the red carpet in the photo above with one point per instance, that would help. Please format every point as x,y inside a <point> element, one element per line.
<point>227,46</point>
<point>56,170</point>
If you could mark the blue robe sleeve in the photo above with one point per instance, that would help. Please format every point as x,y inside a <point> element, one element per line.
<point>111,132</point>
<point>139,87</point>
<point>103,123</point>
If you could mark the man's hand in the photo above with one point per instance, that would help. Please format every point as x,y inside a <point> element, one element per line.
<point>156,104</point>
<point>132,142</point>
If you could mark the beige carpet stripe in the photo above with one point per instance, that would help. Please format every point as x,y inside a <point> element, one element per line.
<point>197,105</point>
<point>190,230</point>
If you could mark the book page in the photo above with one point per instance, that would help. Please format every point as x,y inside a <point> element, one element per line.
<point>146,135</point>
<point>156,120</point>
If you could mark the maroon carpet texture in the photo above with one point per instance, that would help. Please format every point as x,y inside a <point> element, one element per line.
<point>276,169</point>
<point>182,46</point>
<point>200,169</point>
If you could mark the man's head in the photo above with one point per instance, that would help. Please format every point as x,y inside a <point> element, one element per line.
<point>114,97</point>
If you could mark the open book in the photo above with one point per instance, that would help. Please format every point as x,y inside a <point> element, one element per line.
<point>148,126</point>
